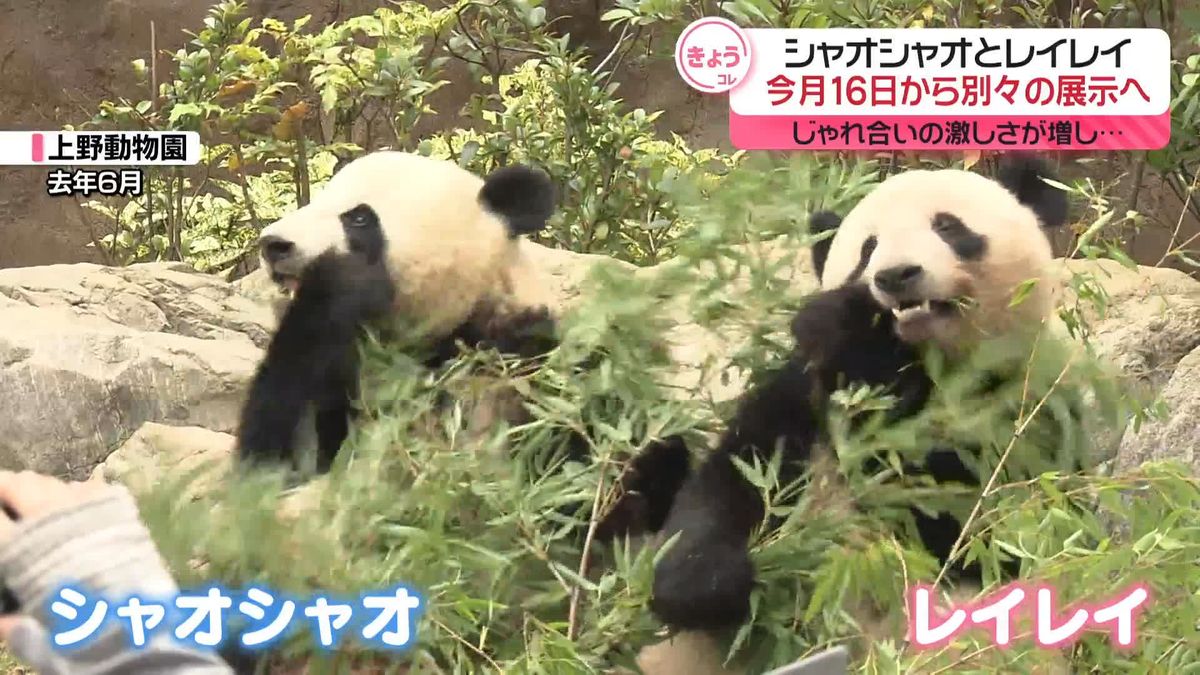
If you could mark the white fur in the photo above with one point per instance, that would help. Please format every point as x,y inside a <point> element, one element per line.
<point>899,213</point>
<point>446,252</point>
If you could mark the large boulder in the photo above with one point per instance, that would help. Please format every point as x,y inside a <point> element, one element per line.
<point>90,353</point>
<point>1175,437</point>
<point>156,449</point>
<point>1144,321</point>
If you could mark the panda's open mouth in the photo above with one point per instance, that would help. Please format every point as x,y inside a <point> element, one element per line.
<point>914,309</point>
<point>288,283</point>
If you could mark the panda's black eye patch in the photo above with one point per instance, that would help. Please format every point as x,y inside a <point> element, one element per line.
<point>364,235</point>
<point>965,242</point>
<point>360,216</point>
<point>864,257</point>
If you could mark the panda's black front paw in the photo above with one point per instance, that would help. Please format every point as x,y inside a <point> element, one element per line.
<point>703,585</point>
<point>839,320</point>
<point>628,516</point>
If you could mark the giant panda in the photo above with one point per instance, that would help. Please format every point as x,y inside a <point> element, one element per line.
<point>398,238</point>
<point>929,258</point>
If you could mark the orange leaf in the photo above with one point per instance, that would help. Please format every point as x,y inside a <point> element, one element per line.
<point>296,112</point>
<point>971,157</point>
<point>235,88</point>
<point>289,122</point>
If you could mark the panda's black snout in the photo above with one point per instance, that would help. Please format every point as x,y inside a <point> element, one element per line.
<point>275,248</point>
<point>899,280</point>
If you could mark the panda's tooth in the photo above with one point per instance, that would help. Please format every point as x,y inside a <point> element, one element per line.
<point>927,306</point>
<point>896,312</point>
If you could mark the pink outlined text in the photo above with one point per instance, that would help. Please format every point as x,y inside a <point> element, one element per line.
<point>1053,627</point>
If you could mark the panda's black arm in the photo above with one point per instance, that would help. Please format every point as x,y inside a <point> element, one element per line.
<point>312,359</point>
<point>705,580</point>
<point>274,406</point>
<point>529,333</point>
<point>297,371</point>
<point>842,335</point>
<point>526,334</point>
<point>649,483</point>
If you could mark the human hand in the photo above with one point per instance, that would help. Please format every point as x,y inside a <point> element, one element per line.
<point>27,496</point>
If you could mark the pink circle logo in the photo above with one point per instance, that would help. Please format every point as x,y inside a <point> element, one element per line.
<point>713,55</point>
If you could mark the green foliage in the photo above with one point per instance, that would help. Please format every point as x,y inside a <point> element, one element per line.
<point>1179,162</point>
<point>612,170</point>
<point>219,220</point>
<point>834,13</point>
<point>1077,552</point>
<point>251,93</point>
<point>490,37</point>
<point>479,533</point>
<point>480,524</point>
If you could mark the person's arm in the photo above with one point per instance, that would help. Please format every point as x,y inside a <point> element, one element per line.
<point>88,535</point>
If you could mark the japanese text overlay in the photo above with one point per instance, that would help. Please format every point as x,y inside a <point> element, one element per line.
<point>98,163</point>
<point>937,89</point>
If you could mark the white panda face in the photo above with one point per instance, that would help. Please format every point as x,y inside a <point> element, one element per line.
<point>946,251</point>
<point>447,237</point>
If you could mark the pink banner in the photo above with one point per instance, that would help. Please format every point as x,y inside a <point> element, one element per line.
<point>911,132</point>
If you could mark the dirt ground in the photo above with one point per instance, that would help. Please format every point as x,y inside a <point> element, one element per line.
<point>59,58</point>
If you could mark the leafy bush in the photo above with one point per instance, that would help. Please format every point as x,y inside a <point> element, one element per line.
<point>612,170</point>
<point>1179,162</point>
<point>482,535</point>
<point>251,92</point>
<point>511,591</point>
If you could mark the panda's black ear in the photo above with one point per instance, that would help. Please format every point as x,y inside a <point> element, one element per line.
<point>818,223</point>
<point>523,196</point>
<point>1022,174</point>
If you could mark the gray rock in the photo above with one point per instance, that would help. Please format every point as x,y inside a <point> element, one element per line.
<point>90,353</point>
<point>1178,436</point>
